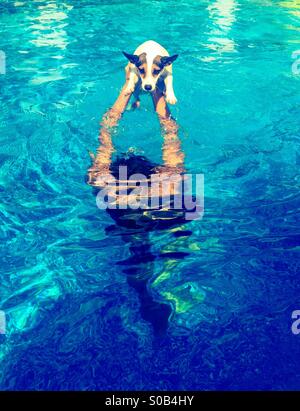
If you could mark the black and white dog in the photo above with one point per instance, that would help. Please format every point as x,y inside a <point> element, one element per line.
<point>150,67</point>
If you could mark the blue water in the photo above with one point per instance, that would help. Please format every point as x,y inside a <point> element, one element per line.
<point>74,320</point>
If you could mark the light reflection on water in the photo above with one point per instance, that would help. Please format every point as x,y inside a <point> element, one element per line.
<point>222,16</point>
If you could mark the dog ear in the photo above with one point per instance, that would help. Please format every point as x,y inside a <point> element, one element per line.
<point>166,61</point>
<point>133,58</point>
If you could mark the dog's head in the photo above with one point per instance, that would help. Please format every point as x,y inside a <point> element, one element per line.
<point>150,70</point>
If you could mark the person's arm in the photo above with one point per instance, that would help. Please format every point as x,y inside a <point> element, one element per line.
<point>102,160</point>
<point>173,156</point>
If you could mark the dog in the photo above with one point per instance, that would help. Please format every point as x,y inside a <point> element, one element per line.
<point>150,67</point>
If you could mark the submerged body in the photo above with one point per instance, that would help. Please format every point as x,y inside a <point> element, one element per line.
<point>135,225</point>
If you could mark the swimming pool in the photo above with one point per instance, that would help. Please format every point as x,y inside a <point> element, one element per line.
<point>73,319</point>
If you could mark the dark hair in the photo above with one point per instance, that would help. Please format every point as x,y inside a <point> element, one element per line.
<point>134,163</point>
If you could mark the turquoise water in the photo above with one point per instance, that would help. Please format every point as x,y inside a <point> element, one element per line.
<point>74,319</point>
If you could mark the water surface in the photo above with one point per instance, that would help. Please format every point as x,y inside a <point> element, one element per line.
<point>74,320</point>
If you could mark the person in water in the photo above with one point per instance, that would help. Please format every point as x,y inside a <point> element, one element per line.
<point>135,225</point>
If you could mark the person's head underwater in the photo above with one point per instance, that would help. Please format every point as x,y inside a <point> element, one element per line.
<point>164,214</point>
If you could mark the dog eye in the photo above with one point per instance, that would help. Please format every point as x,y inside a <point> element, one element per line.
<point>142,71</point>
<point>156,72</point>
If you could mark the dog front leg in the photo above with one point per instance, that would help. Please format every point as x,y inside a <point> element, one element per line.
<point>137,101</point>
<point>170,96</point>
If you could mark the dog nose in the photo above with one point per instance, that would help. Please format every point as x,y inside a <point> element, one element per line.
<point>148,87</point>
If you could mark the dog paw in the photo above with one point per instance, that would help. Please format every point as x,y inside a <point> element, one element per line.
<point>129,90</point>
<point>136,104</point>
<point>133,106</point>
<point>171,99</point>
